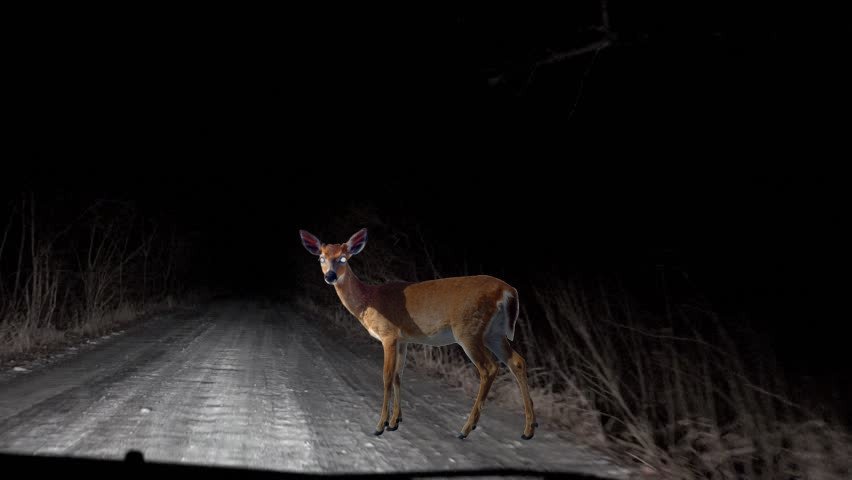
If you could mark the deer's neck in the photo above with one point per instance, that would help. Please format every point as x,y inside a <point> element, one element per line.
<point>353,293</point>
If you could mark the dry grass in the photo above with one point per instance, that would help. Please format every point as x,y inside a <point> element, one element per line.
<point>680,398</point>
<point>85,280</point>
<point>22,337</point>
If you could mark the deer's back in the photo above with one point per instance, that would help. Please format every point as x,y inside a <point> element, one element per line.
<point>426,309</point>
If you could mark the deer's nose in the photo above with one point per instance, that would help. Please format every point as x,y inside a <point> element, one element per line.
<point>330,277</point>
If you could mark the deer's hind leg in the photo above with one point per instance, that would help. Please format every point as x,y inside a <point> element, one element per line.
<point>487,367</point>
<point>516,363</point>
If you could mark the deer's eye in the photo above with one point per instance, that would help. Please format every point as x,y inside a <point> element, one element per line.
<point>322,259</point>
<point>342,259</point>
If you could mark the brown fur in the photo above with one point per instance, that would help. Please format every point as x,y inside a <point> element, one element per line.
<point>457,310</point>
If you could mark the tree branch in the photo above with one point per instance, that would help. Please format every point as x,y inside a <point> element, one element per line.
<point>562,56</point>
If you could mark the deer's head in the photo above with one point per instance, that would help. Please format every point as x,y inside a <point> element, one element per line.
<point>334,257</point>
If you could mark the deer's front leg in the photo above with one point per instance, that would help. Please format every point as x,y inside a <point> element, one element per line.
<point>389,346</point>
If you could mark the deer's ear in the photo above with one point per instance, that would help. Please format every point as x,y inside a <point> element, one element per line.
<point>310,242</point>
<point>357,242</point>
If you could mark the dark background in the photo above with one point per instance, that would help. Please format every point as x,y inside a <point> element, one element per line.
<point>664,153</point>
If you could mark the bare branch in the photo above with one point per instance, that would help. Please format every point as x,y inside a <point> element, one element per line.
<point>567,55</point>
<point>562,56</point>
<point>428,256</point>
<point>3,246</point>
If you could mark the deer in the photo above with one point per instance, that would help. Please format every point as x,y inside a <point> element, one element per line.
<point>477,312</point>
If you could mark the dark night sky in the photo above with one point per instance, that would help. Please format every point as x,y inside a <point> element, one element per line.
<point>245,126</point>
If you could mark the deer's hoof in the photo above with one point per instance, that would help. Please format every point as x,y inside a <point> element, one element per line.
<point>393,428</point>
<point>462,436</point>
<point>526,437</point>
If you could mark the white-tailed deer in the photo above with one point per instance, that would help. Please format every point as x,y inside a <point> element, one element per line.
<point>477,312</point>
